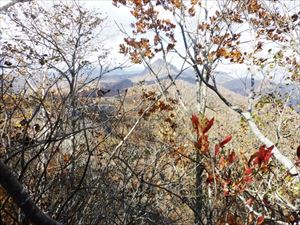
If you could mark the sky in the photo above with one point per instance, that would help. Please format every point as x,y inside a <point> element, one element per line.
<point>111,34</point>
<point>121,16</point>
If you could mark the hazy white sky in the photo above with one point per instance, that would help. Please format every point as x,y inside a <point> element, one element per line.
<point>122,16</point>
<point>111,33</point>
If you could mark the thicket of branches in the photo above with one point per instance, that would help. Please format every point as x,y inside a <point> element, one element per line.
<point>71,155</point>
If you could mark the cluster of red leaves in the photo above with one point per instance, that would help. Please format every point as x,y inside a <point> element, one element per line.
<point>224,160</point>
<point>201,128</point>
<point>262,156</point>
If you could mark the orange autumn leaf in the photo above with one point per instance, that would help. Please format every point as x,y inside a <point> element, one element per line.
<point>177,3</point>
<point>203,26</point>
<point>235,55</point>
<point>253,6</point>
<point>194,2</point>
<point>148,53</point>
<point>222,52</point>
<point>66,158</point>
<point>137,2</point>
<point>222,163</point>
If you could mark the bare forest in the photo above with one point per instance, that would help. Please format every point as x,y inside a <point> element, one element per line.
<point>150,112</point>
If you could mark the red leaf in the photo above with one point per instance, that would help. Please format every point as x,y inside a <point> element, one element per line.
<point>298,152</point>
<point>248,179</point>
<point>210,179</point>
<point>226,193</point>
<point>260,220</point>
<point>217,149</point>
<point>225,141</point>
<point>222,163</point>
<point>262,156</point>
<point>198,144</point>
<point>266,153</point>
<point>208,126</point>
<point>195,122</point>
<point>257,160</point>
<point>231,157</point>
<point>248,171</point>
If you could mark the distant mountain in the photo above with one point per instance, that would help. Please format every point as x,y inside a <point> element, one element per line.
<point>117,87</point>
<point>116,74</point>
<point>108,89</point>
<point>283,91</point>
<point>287,91</point>
<point>241,86</point>
<point>119,80</point>
<point>220,77</point>
<point>160,67</point>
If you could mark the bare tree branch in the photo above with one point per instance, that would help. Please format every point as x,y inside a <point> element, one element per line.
<point>15,189</point>
<point>12,3</point>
